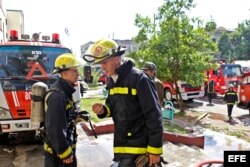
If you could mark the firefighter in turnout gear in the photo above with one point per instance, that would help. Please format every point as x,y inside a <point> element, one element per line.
<point>60,130</point>
<point>151,70</point>
<point>133,104</point>
<point>210,91</point>
<point>230,98</point>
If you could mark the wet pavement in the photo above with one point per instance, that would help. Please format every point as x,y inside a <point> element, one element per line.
<point>93,152</point>
<point>216,143</point>
<point>6,156</point>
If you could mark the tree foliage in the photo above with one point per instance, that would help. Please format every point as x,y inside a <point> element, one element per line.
<point>236,45</point>
<point>180,46</point>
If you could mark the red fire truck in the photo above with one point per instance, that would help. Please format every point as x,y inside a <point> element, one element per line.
<point>188,92</point>
<point>224,75</point>
<point>244,92</point>
<point>23,62</point>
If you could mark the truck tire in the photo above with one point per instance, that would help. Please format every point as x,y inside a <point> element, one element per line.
<point>168,95</point>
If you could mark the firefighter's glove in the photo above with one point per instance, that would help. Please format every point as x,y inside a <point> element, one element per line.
<point>143,161</point>
<point>83,115</point>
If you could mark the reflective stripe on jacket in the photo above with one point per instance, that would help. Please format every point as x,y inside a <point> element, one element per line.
<point>230,97</point>
<point>134,106</point>
<point>60,129</point>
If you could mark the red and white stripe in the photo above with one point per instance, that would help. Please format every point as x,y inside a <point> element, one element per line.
<point>15,99</point>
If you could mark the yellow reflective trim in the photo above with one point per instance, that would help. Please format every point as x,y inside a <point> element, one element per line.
<point>154,150</point>
<point>47,148</point>
<point>130,150</point>
<point>108,110</point>
<point>129,134</point>
<point>111,91</point>
<point>120,90</point>
<point>65,153</point>
<point>134,92</point>
<point>69,105</point>
<point>231,93</point>
<point>123,90</point>
<point>230,103</point>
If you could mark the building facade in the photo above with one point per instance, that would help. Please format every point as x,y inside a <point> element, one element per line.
<point>3,24</point>
<point>10,20</point>
<point>15,21</point>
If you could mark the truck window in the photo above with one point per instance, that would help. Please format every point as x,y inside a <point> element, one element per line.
<point>231,70</point>
<point>18,60</point>
<point>246,80</point>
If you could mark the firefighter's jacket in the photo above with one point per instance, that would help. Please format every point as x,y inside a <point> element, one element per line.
<point>60,129</point>
<point>134,106</point>
<point>230,97</point>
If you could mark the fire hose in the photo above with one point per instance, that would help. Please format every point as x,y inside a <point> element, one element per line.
<point>86,116</point>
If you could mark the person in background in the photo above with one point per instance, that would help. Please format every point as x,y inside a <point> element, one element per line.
<point>129,59</point>
<point>60,130</point>
<point>133,104</point>
<point>210,91</point>
<point>151,70</point>
<point>230,98</point>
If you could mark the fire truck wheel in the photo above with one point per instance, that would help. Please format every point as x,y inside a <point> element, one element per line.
<point>168,95</point>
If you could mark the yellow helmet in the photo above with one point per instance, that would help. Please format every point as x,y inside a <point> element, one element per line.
<point>64,62</point>
<point>102,50</point>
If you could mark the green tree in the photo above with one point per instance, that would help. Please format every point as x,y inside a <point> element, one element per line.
<point>236,45</point>
<point>224,45</point>
<point>177,44</point>
<point>242,41</point>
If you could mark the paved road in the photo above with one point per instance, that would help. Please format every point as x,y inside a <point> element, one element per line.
<point>31,154</point>
<point>218,106</point>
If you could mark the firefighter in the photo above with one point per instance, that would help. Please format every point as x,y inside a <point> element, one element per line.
<point>230,98</point>
<point>133,104</point>
<point>151,70</point>
<point>210,91</point>
<point>60,130</point>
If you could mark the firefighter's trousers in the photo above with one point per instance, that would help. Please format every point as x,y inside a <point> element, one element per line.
<point>229,110</point>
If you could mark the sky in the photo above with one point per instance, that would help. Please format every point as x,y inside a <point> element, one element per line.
<point>90,20</point>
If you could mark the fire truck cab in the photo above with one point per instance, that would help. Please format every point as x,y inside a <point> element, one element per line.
<point>244,92</point>
<point>24,62</point>
<point>224,75</point>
